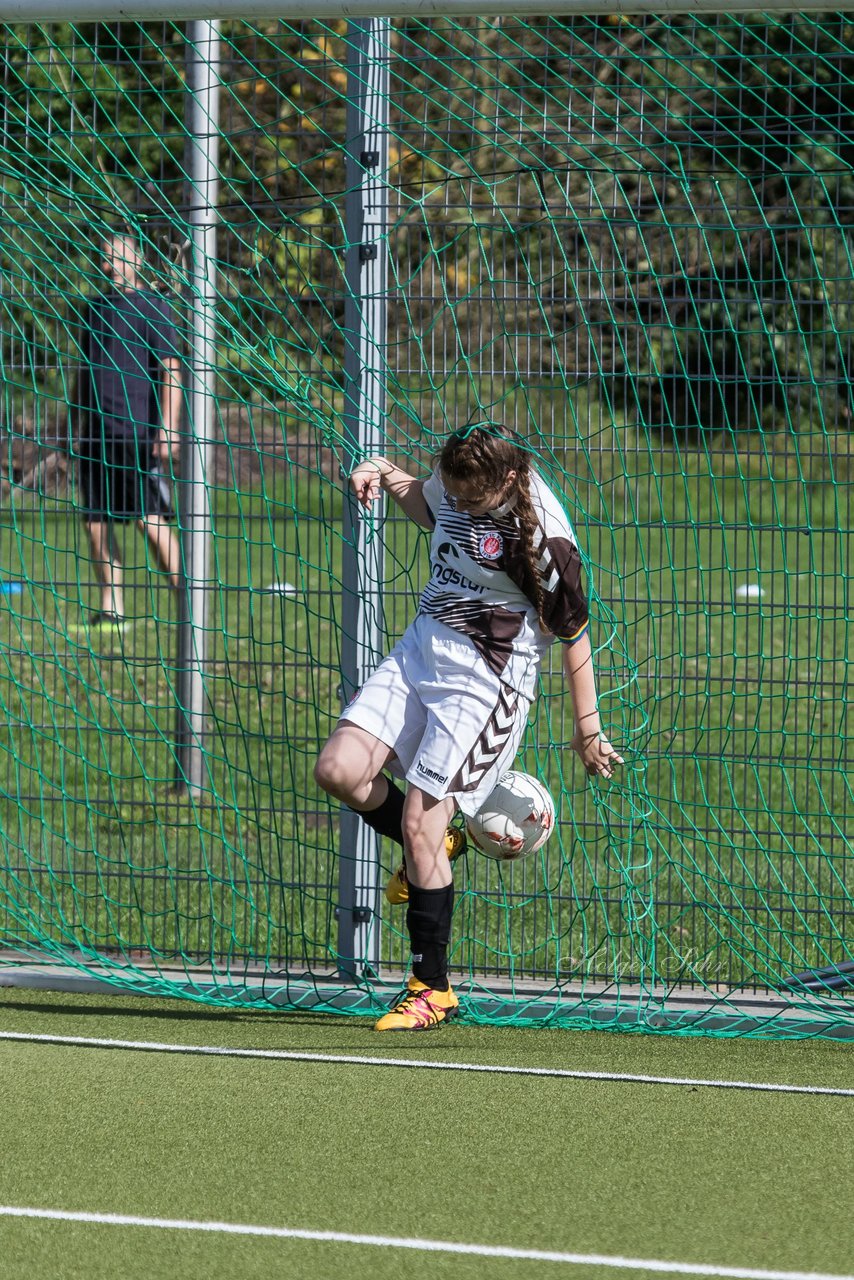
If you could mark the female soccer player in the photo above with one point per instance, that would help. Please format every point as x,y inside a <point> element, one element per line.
<point>450,702</point>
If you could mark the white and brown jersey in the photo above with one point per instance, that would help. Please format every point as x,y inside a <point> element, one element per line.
<point>475,589</point>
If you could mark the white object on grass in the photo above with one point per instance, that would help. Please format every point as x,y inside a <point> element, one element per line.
<point>281,589</point>
<point>749,591</point>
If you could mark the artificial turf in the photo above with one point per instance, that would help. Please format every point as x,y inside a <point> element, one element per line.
<point>696,1175</point>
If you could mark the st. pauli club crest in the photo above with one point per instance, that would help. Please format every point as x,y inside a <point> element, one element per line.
<point>491,545</point>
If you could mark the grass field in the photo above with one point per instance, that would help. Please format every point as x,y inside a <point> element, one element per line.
<point>658,1172</point>
<point>723,849</point>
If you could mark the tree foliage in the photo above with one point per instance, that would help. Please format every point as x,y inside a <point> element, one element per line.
<point>658,208</point>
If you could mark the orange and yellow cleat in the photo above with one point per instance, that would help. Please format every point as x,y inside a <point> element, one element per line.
<point>420,1008</point>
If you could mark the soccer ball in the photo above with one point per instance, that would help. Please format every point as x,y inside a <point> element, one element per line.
<point>516,820</point>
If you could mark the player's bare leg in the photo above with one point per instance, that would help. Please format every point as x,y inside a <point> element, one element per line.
<point>350,768</point>
<point>397,885</point>
<point>425,822</point>
<point>107,568</point>
<point>165,547</point>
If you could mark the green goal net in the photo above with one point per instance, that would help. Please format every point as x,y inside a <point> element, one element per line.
<point>630,239</point>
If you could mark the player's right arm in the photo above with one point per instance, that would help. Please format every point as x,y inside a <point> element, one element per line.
<point>376,474</point>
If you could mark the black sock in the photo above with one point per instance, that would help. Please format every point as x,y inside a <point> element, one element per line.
<point>387,818</point>
<point>428,919</point>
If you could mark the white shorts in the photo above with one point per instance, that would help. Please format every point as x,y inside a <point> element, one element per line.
<point>454,726</point>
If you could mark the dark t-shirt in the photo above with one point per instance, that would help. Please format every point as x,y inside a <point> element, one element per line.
<point>127,335</point>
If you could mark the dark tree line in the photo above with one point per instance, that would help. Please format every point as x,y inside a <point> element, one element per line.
<point>659,209</point>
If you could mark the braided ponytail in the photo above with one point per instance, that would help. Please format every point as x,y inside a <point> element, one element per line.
<point>529,525</point>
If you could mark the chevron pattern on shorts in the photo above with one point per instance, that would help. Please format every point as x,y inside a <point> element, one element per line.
<point>490,744</point>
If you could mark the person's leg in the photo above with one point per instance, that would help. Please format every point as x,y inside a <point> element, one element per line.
<point>107,567</point>
<point>350,766</point>
<point>428,1000</point>
<point>376,798</point>
<point>165,547</point>
<point>425,821</point>
<point>431,885</point>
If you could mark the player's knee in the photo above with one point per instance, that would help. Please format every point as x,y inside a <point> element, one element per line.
<point>332,774</point>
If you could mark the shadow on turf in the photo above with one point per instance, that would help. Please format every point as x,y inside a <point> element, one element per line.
<point>284,1016</point>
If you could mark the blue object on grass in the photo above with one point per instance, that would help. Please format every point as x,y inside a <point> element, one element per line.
<point>9,588</point>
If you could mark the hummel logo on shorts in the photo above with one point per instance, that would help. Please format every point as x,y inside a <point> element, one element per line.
<point>431,773</point>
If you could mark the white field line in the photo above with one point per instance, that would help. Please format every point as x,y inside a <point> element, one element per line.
<point>359,1060</point>
<point>421,1246</point>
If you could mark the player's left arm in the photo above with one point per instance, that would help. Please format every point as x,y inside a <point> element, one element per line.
<point>565,613</point>
<point>596,753</point>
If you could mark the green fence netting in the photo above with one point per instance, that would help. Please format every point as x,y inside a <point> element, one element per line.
<point>632,240</point>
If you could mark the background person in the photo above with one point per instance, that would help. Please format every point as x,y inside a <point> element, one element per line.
<point>451,700</point>
<point>129,406</point>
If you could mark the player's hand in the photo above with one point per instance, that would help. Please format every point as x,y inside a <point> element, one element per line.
<point>166,448</point>
<point>596,754</point>
<point>365,483</point>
